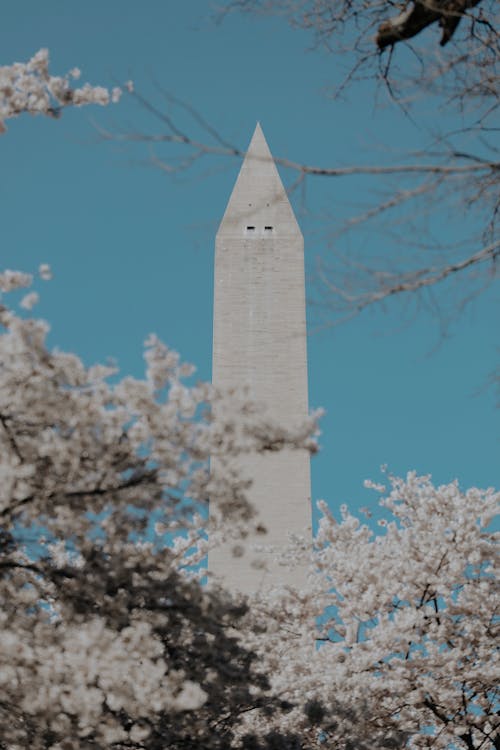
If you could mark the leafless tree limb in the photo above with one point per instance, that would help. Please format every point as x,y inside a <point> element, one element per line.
<point>418,15</point>
<point>449,181</point>
<point>394,284</point>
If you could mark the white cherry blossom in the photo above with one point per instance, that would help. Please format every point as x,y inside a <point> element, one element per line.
<point>29,87</point>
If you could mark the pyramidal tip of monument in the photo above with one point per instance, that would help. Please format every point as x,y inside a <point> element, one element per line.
<point>258,151</point>
<point>259,198</point>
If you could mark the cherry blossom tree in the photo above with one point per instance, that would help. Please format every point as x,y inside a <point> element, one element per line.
<point>408,625</point>
<point>107,639</point>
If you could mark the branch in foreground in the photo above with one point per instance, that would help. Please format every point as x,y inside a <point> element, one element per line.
<point>437,175</point>
<point>28,87</point>
<point>466,163</point>
<point>413,282</point>
<point>418,16</point>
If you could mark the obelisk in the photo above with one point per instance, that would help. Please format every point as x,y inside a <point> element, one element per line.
<point>259,341</point>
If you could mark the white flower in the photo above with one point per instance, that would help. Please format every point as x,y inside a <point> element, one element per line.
<point>29,300</point>
<point>191,697</point>
<point>10,280</point>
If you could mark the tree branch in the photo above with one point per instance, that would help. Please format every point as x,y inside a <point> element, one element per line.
<point>134,481</point>
<point>417,280</point>
<point>418,16</point>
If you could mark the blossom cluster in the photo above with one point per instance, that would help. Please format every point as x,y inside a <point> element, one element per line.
<point>29,87</point>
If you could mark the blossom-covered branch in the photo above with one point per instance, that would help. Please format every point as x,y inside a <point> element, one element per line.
<point>29,87</point>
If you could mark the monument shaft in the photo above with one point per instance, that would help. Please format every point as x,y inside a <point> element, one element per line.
<point>259,341</point>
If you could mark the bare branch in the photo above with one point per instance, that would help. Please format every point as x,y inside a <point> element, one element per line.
<point>392,285</point>
<point>417,16</point>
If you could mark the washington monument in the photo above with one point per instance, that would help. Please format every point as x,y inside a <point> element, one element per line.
<point>259,341</point>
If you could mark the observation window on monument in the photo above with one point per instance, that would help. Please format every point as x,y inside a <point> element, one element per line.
<point>250,229</point>
<point>268,229</point>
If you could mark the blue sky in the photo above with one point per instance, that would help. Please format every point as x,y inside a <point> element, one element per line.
<point>132,249</point>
